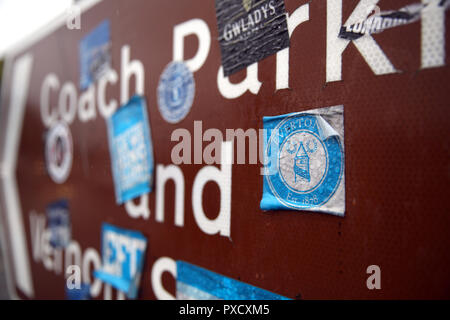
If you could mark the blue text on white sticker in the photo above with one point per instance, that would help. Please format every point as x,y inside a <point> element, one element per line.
<point>131,150</point>
<point>122,259</point>
<point>304,156</point>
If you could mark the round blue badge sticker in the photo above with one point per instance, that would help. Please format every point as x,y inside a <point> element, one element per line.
<point>309,165</point>
<point>176,91</point>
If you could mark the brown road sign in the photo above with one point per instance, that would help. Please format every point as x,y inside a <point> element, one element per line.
<point>393,87</point>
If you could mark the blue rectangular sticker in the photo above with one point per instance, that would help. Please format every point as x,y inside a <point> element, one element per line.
<point>58,222</point>
<point>195,283</point>
<point>82,293</point>
<point>131,150</point>
<point>304,161</point>
<point>122,259</point>
<point>95,55</point>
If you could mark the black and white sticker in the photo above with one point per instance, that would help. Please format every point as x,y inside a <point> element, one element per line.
<point>249,31</point>
<point>381,21</point>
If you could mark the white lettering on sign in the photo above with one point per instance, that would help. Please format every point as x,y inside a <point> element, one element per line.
<point>196,27</point>
<point>300,15</point>
<point>367,47</point>
<point>221,176</point>
<point>69,105</point>
<point>163,264</point>
<point>432,55</point>
<point>234,90</point>
<point>433,35</point>
<point>52,258</point>
<point>90,260</point>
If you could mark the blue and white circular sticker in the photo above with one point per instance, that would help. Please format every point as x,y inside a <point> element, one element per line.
<point>309,163</point>
<point>176,91</point>
<point>59,152</point>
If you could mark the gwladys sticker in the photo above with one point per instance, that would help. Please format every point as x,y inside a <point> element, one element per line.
<point>250,30</point>
<point>304,156</point>
<point>131,150</point>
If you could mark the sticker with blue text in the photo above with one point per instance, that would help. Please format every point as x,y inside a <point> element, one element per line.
<point>195,283</point>
<point>95,55</point>
<point>304,161</point>
<point>176,91</point>
<point>122,259</point>
<point>58,222</point>
<point>131,150</point>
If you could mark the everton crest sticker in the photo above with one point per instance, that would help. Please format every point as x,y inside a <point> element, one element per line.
<point>304,156</point>
<point>176,91</point>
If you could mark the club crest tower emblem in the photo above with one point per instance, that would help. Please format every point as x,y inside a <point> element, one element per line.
<point>247,4</point>
<point>307,161</point>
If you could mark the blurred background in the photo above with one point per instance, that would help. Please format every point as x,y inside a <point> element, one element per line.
<point>24,23</point>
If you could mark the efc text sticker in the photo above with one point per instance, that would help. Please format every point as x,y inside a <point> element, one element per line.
<point>304,156</point>
<point>249,31</point>
<point>95,56</point>
<point>195,283</point>
<point>131,150</point>
<point>122,259</point>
